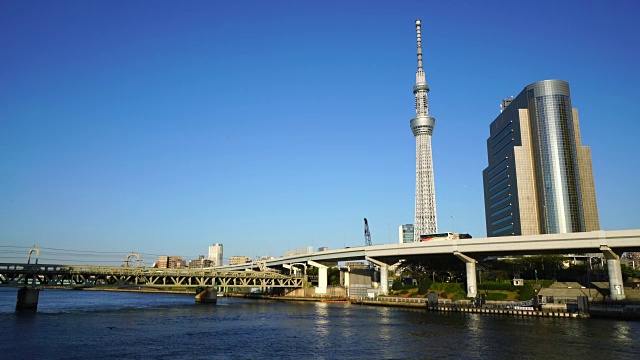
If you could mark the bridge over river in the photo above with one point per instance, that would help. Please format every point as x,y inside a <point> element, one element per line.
<point>32,276</point>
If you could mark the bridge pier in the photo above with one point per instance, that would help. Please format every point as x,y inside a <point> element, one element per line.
<point>470,264</point>
<point>384,275</point>
<point>322,276</point>
<point>207,295</point>
<point>384,279</point>
<point>27,298</point>
<point>616,286</point>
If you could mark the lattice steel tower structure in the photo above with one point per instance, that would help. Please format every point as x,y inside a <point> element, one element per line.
<point>422,125</point>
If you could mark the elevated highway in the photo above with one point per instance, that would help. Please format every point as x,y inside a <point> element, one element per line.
<point>611,243</point>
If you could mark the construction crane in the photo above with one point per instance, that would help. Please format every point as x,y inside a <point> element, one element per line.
<point>367,234</point>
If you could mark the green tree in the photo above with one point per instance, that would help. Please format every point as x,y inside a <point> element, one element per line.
<point>423,288</point>
<point>397,284</point>
<point>334,276</point>
<point>628,272</point>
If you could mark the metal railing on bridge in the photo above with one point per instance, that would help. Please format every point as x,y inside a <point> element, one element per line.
<point>12,274</point>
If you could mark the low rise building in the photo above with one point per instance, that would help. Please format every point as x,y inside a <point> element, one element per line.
<point>238,259</point>
<point>171,262</point>
<point>201,262</point>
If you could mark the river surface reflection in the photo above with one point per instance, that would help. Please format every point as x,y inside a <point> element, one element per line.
<point>108,325</point>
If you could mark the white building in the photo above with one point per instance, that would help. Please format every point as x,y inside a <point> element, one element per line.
<point>215,254</point>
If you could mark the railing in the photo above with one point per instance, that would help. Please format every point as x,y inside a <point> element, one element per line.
<point>109,270</point>
<point>395,299</point>
<point>493,305</point>
<point>62,275</point>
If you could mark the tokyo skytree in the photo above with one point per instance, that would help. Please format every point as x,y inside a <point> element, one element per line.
<point>422,125</point>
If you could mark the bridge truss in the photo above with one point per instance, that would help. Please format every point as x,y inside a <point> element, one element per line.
<point>47,275</point>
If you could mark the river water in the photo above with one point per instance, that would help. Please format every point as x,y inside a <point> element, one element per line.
<point>115,325</point>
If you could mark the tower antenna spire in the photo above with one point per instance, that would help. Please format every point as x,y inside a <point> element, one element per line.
<point>419,40</point>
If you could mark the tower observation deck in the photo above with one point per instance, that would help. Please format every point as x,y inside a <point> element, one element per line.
<point>422,127</point>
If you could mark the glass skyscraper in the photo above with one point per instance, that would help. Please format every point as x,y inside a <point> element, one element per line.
<point>539,179</point>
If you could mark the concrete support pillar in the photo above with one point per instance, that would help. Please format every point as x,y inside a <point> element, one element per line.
<point>616,287</point>
<point>27,298</point>
<point>207,295</point>
<point>384,275</point>
<point>470,264</point>
<point>322,277</point>
<point>346,282</point>
<point>322,280</point>
<point>472,287</point>
<point>384,280</point>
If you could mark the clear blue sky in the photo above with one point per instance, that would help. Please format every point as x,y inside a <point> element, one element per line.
<point>164,127</point>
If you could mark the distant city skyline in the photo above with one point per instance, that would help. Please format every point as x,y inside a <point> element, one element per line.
<point>164,128</point>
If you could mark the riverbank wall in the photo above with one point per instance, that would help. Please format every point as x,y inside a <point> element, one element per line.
<point>287,298</point>
<point>463,308</point>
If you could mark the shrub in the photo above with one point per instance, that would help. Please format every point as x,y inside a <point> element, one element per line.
<point>497,286</point>
<point>526,292</point>
<point>397,284</point>
<point>496,296</point>
<point>404,291</point>
<point>424,287</point>
<point>458,296</point>
<point>446,289</point>
<point>437,287</point>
